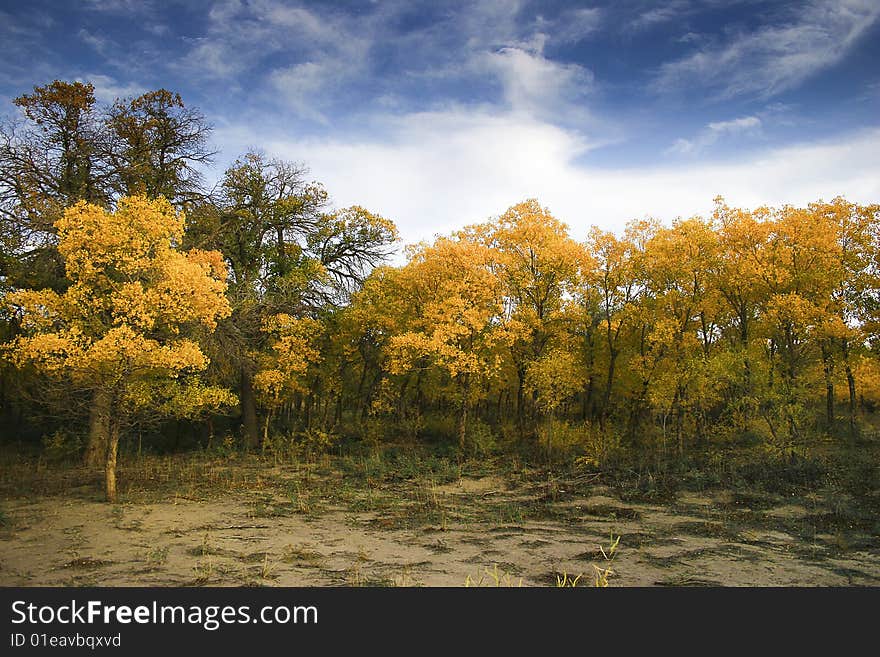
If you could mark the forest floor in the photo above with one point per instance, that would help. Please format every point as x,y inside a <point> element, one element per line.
<point>369,521</point>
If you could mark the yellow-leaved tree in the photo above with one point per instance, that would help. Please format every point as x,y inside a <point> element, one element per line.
<point>283,370</point>
<point>538,266</point>
<point>457,325</point>
<point>125,329</point>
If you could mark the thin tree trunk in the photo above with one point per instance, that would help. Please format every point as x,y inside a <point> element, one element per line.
<point>99,419</point>
<point>520,397</point>
<point>361,397</point>
<point>677,411</point>
<point>266,429</point>
<point>851,384</point>
<point>110,462</point>
<point>609,382</point>
<point>463,414</point>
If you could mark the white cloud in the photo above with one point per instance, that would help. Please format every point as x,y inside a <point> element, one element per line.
<point>210,58</point>
<point>713,132</point>
<point>657,15</point>
<point>119,6</point>
<point>100,44</point>
<point>108,89</point>
<point>774,58</point>
<point>321,51</point>
<point>300,86</point>
<point>577,24</point>
<point>538,86</point>
<point>435,172</point>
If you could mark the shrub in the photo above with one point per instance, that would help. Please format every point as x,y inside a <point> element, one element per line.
<point>480,439</point>
<point>317,440</point>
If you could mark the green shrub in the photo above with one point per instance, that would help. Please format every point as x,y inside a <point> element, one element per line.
<point>480,439</point>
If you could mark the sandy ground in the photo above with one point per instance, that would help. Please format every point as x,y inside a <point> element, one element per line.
<point>475,531</point>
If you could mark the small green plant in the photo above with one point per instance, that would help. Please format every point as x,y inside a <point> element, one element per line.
<point>158,556</point>
<point>206,544</point>
<point>300,499</point>
<point>405,578</point>
<point>302,555</point>
<point>599,446</point>
<point>227,448</point>
<point>354,576</point>
<point>204,570</point>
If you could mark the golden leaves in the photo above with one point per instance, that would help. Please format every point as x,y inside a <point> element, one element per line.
<point>293,351</point>
<point>100,246</point>
<point>554,378</point>
<point>132,296</point>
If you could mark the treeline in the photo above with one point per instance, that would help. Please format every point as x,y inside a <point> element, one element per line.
<point>137,301</point>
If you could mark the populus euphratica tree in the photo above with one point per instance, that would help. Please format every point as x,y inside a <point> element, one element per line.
<point>125,330</point>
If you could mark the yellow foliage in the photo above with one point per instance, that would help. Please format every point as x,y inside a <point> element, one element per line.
<point>133,296</point>
<point>554,377</point>
<point>283,370</point>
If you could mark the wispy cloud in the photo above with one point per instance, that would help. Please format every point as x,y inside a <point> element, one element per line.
<point>715,131</point>
<point>99,44</point>
<point>290,52</point>
<point>774,58</point>
<point>575,25</point>
<point>108,89</point>
<point>119,6</point>
<point>312,60</point>
<point>537,86</point>
<point>668,11</point>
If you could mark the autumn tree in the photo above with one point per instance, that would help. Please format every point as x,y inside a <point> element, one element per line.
<point>126,328</point>
<point>155,145</point>
<point>457,327</point>
<point>553,379</point>
<point>283,368</point>
<point>684,321</point>
<point>853,301</point>
<point>287,253</point>
<point>378,312</point>
<point>538,266</point>
<point>616,262</point>
<point>49,159</point>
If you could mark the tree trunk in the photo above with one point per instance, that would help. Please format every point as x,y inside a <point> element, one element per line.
<point>99,420</point>
<point>249,428</point>
<point>609,382</point>
<point>361,394</point>
<point>828,371</point>
<point>463,415</point>
<point>266,429</point>
<point>747,365</point>
<point>851,384</point>
<point>520,399</point>
<point>678,414</point>
<point>110,462</point>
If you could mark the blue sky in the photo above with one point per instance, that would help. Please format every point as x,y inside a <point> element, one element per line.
<point>440,114</point>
